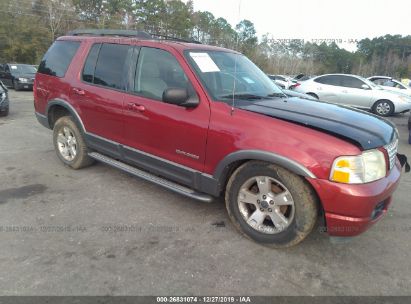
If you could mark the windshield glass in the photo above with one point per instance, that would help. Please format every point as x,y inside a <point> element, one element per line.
<point>22,69</point>
<point>370,83</point>
<point>228,75</point>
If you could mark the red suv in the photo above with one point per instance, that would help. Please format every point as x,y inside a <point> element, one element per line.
<point>206,122</point>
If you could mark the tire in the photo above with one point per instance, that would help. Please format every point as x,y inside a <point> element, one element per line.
<point>15,86</point>
<point>69,144</point>
<point>313,95</point>
<point>383,108</point>
<point>295,200</point>
<point>5,112</point>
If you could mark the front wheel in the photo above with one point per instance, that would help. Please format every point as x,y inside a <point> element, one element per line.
<point>69,144</point>
<point>16,86</point>
<point>383,108</point>
<point>271,205</point>
<point>5,112</point>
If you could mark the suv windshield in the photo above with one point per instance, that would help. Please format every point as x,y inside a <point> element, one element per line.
<point>229,75</point>
<point>22,69</point>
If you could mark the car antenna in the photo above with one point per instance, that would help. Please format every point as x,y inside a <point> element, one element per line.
<point>235,64</point>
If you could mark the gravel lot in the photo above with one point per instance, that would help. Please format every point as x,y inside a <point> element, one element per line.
<point>98,231</point>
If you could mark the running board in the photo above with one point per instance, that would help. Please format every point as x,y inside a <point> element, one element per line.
<point>151,178</point>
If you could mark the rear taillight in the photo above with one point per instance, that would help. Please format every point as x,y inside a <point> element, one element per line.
<point>295,85</point>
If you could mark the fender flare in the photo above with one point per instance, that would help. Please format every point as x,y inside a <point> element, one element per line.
<point>69,107</point>
<point>289,164</point>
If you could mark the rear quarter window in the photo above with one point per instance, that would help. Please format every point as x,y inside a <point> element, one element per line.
<point>58,58</point>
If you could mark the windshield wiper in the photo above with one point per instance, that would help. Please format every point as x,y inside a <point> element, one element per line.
<point>277,95</point>
<point>243,96</point>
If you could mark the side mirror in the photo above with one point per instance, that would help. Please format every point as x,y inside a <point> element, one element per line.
<point>365,87</point>
<point>180,97</point>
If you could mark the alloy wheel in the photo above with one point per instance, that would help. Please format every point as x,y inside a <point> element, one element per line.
<point>67,143</point>
<point>266,204</point>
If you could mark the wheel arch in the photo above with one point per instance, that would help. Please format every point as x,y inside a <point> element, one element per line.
<point>313,95</point>
<point>231,162</point>
<point>57,108</point>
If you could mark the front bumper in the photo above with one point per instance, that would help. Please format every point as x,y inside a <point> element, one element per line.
<point>352,209</point>
<point>25,85</point>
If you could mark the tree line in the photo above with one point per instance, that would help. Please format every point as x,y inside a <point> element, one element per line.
<point>28,27</point>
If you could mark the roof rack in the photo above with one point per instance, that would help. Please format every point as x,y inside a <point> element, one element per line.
<point>165,37</point>
<point>120,33</point>
<point>127,33</point>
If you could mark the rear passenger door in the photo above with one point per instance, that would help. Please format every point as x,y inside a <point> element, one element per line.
<point>100,92</point>
<point>166,131</point>
<point>327,88</point>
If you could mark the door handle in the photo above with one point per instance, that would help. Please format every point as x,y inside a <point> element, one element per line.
<point>136,107</point>
<point>79,91</point>
<point>344,91</point>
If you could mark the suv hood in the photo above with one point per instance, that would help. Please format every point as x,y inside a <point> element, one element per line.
<point>364,129</point>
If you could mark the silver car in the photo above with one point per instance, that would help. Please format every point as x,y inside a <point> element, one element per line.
<point>356,91</point>
<point>390,84</point>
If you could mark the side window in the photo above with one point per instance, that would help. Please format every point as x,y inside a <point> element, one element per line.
<point>58,58</point>
<point>90,64</point>
<point>329,80</point>
<point>351,82</point>
<point>156,71</point>
<point>110,69</point>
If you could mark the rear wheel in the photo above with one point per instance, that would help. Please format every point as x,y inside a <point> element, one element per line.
<point>69,144</point>
<point>383,108</point>
<point>271,205</point>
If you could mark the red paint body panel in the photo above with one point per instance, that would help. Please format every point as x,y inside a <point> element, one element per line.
<point>348,208</point>
<point>211,132</point>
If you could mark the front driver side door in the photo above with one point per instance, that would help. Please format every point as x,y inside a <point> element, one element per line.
<point>354,94</point>
<point>170,133</point>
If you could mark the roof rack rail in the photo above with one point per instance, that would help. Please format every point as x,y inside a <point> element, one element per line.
<point>127,33</point>
<point>165,37</point>
<point>120,33</point>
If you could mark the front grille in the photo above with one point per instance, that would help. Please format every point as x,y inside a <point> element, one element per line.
<point>392,152</point>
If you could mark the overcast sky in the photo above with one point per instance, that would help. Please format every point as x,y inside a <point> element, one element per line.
<point>316,19</point>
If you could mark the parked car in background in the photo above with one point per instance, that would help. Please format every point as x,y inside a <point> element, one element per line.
<point>391,84</point>
<point>4,100</point>
<point>17,76</point>
<point>409,129</point>
<point>355,91</point>
<point>283,82</point>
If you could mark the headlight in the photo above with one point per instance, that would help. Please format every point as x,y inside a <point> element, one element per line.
<point>2,96</point>
<point>23,79</point>
<point>364,168</point>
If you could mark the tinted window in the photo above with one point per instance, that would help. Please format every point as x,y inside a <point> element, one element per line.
<point>57,59</point>
<point>156,71</point>
<point>351,82</point>
<point>330,80</point>
<point>110,67</point>
<point>90,65</point>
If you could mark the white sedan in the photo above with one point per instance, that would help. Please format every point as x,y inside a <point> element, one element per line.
<point>355,91</point>
<point>388,83</point>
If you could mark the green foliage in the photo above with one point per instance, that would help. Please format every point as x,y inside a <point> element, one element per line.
<point>28,27</point>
